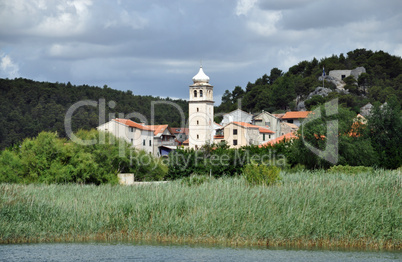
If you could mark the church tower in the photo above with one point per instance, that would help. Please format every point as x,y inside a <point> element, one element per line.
<point>201,111</point>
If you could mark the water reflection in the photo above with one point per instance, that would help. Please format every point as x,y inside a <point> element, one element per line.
<point>146,252</point>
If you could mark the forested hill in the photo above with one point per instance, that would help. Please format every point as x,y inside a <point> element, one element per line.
<point>28,107</point>
<point>278,91</point>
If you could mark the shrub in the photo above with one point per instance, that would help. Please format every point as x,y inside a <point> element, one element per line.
<point>49,159</point>
<point>256,174</point>
<point>350,170</point>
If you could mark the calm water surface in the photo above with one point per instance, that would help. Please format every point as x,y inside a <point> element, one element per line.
<point>135,252</point>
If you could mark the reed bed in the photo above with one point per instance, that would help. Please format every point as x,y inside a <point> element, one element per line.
<point>306,209</point>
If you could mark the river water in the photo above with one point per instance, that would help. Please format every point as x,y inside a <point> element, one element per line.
<point>145,252</point>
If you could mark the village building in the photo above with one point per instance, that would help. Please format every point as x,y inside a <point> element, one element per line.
<point>164,140</point>
<point>271,121</point>
<point>295,117</point>
<point>181,134</point>
<point>287,128</point>
<point>237,115</point>
<point>138,135</point>
<point>238,134</point>
<point>342,74</point>
<point>201,111</point>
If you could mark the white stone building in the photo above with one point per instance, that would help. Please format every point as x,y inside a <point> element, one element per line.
<point>201,111</point>
<point>237,115</point>
<point>138,135</point>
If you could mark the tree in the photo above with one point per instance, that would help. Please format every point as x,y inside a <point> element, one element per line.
<point>275,74</point>
<point>353,147</point>
<point>385,130</point>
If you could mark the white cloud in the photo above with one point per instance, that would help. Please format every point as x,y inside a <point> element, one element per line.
<point>244,6</point>
<point>8,68</point>
<point>45,18</point>
<point>264,22</point>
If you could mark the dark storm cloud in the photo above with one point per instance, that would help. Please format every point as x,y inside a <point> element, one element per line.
<point>155,47</point>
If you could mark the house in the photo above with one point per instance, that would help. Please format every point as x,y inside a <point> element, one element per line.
<point>288,128</point>
<point>295,117</point>
<point>266,119</point>
<point>237,115</point>
<point>138,135</point>
<point>181,134</point>
<point>154,139</point>
<point>238,134</point>
<point>164,140</point>
<point>341,74</point>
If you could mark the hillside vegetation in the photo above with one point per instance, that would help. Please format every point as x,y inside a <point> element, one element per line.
<point>278,90</point>
<point>29,107</point>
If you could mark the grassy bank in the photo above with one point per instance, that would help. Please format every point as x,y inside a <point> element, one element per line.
<point>304,209</point>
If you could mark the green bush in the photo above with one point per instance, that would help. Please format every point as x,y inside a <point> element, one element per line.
<point>49,159</point>
<point>350,170</point>
<point>256,174</point>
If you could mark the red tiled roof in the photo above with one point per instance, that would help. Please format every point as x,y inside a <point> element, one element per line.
<point>218,136</point>
<point>265,130</point>
<point>296,114</point>
<point>157,128</point>
<point>186,142</point>
<point>245,124</point>
<point>131,123</point>
<point>279,139</point>
<point>260,128</point>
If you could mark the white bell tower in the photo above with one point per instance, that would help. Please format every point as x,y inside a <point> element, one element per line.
<point>201,111</point>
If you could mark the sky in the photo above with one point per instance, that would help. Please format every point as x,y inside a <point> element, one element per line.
<point>156,47</point>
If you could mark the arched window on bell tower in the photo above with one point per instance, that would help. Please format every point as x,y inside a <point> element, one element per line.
<point>195,93</point>
<point>200,93</point>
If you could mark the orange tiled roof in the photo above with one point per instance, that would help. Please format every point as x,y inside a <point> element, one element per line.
<point>218,136</point>
<point>265,130</point>
<point>186,142</point>
<point>260,128</point>
<point>157,128</point>
<point>296,114</point>
<point>131,123</point>
<point>279,139</point>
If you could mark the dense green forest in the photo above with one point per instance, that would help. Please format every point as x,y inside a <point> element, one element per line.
<point>278,91</point>
<point>28,107</point>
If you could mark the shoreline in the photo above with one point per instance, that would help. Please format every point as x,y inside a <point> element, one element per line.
<point>321,244</point>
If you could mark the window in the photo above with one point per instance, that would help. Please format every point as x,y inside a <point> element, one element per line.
<point>131,129</point>
<point>143,142</point>
<point>290,121</point>
<point>263,137</point>
<point>235,142</point>
<point>132,141</point>
<point>234,131</point>
<point>200,93</point>
<point>269,136</point>
<point>198,136</point>
<point>195,93</point>
<point>343,76</point>
<point>198,110</point>
<point>150,143</point>
<point>198,122</point>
